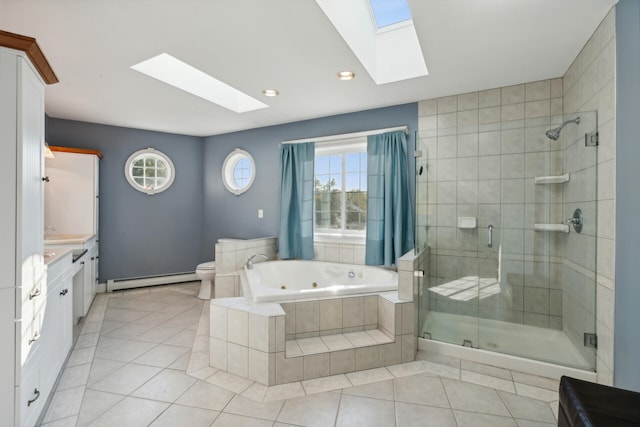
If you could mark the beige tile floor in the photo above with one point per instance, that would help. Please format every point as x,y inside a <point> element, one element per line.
<point>141,359</point>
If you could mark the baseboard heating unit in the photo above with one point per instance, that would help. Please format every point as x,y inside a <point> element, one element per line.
<point>141,282</point>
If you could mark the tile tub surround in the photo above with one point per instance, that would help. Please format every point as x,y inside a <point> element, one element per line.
<point>341,252</point>
<point>232,254</point>
<point>410,393</point>
<point>409,285</point>
<point>274,343</point>
<point>227,285</point>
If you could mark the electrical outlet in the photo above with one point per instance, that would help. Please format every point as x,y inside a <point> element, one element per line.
<point>260,213</point>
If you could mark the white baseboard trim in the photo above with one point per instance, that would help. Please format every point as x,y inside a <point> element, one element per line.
<point>139,282</point>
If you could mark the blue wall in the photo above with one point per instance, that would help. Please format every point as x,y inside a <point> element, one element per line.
<point>627,315</point>
<point>175,230</point>
<point>227,215</point>
<point>141,235</point>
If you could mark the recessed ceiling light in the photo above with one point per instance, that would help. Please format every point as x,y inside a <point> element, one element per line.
<point>346,75</point>
<point>270,92</point>
<point>174,72</point>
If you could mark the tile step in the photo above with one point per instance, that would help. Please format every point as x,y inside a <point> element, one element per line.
<point>336,342</point>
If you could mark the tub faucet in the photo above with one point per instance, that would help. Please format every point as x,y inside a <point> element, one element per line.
<point>250,260</point>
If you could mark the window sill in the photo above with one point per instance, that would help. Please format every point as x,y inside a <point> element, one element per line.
<point>338,238</point>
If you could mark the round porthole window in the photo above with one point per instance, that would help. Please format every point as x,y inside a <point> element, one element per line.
<point>238,171</point>
<point>149,171</point>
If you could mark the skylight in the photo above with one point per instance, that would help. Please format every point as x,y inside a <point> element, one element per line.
<point>389,12</point>
<point>389,54</point>
<point>176,73</point>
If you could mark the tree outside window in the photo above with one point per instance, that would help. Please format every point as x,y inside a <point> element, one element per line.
<point>341,190</point>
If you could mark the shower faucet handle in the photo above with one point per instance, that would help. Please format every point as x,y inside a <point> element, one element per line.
<point>490,241</point>
<point>577,220</point>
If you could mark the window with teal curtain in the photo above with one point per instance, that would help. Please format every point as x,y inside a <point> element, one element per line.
<point>389,214</point>
<point>295,238</point>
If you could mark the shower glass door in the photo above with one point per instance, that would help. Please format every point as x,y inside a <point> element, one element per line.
<point>448,302</point>
<point>507,272</point>
<point>421,216</point>
<point>544,304</point>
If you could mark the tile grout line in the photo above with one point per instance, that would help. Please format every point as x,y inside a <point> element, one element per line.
<point>85,386</point>
<point>108,298</point>
<point>394,375</point>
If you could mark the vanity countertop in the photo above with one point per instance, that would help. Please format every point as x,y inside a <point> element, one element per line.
<point>53,255</point>
<point>63,239</point>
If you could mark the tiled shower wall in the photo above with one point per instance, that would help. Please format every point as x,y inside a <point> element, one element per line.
<point>455,156</point>
<point>484,150</point>
<point>590,85</point>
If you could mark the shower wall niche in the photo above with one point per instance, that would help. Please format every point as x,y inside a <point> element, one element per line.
<point>489,159</point>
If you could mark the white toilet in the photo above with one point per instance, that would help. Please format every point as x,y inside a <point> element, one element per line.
<point>206,272</point>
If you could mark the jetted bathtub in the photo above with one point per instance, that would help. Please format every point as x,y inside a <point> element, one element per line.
<point>275,281</point>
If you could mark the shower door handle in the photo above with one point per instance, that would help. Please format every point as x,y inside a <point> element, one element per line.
<point>490,242</point>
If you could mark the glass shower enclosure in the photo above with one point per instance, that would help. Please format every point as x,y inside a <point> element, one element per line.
<point>508,213</point>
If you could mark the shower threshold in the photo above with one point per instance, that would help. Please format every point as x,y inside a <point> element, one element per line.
<point>504,342</point>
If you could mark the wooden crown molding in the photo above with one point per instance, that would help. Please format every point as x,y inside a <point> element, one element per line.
<point>31,48</point>
<point>76,150</point>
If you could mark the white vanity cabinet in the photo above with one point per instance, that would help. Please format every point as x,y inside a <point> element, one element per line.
<point>57,326</point>
<point>23,73</point>
<point>85,282</point>
<point>50,335</point>
<point>71,215</point>
<point>84,271</point>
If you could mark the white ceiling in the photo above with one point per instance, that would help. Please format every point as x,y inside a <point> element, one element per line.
<point>289,45</point>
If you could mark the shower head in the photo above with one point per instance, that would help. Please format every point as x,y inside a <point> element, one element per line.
<point>554,134</point>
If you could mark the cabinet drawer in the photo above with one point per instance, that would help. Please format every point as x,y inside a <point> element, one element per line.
<point>31,396</point>
<point>31,337</point>
<point>33,301</point>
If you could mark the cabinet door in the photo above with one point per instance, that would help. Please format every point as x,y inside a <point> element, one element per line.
<point>50,362</point>
<point>89,284</point>
<point>57,343</point>
<point>8,171</point>
<point>96,200</point>
<point>30,163</point>
<point>66,316</point>
<point>78,293</point>
<point>94,271</point>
